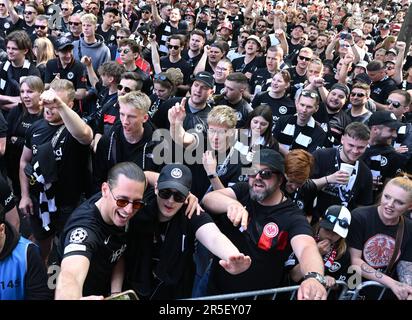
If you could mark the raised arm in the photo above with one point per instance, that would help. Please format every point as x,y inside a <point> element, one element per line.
<point>91,74</point>
<point>398,77</point>
<point>155,54</point>
<point>176,116</point>
<point>72,275</point>
<point>74,124</point>
<point>13,14</point>
<point>201,65</point>
<point>155,12</point>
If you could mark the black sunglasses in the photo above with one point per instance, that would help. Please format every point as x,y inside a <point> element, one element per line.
<point>65,9</point>
<point>304,58</point>
<point>74,23</point>
<point>2,5</point>
<point>125,51</point>
<point>169,46</point>
<point>167,193</point>
<point>344,223</point>
<point>40,27</point>
<point>147,12</point>
<point>264,174</point>
<point>126,89</point>
<point>136,204</point>
<point>357,94</point>
<point>120,37</point>
<point>223,12</point>
<point>29,12</point>
<point>395,104</point>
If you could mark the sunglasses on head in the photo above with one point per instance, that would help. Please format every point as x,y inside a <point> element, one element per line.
<point>395,104</point>
<point>169,46</point>
<point>136,204</point>
<point>161,77</point>
<point>40,27</point>
<point>126,89</point>
<point>264,173</point>
<point>125,51</point>
<point>333,219</point>
<point>74,23</point>
<point>357,94</point>
<point>167,193</point>
<point>304,58</point>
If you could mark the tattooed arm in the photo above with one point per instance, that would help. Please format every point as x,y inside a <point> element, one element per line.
<point>404,270</point>
<point>401,290</point>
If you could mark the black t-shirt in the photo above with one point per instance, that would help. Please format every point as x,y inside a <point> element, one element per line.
<point>262,77</point>
<point>370,235</point>
<point>6,196</point>
<point>163,31</point>
<point>71,158</point>
<point>266,241</point>
<point>242,109</point>
<point>280,107</point>
<point>86,234</point>
<point>12,87</point>
<point>380,90</point>
<point>6,25</point>
<point>22,25</point>
<point>75,72</point>
<point>109,36</point>
<point>304,197</point>
<point>239,64</point>
<point>182,64</point>
<point>327,161</point>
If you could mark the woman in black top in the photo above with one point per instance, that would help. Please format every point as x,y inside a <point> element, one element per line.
<point>19,120</point>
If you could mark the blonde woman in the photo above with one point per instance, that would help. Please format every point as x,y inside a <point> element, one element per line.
<point>44,51</point>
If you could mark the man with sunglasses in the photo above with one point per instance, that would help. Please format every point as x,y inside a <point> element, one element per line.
<point>31,10</point>
<point>399,102</point>
<point>41,28</point>
<point>298,72</point>
<point>93,242</point>
<point>75,27</point>
<point>159,259</point>
<point>271,226</point>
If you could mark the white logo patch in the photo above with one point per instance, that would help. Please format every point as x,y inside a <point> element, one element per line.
<point>70,75</point>
<point>78,235</point>
<point>335,267</point>
<point>271,230</point>
<point>393,116</point>
<point>384,161</point>
<point>6,25</point>
<point>283,110</point>
<point>176,173</point>
<point>199,127</point>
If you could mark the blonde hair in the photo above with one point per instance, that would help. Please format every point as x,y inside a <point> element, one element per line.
<point>63,85</point>
<point>137,100</point>
<point>89,18</point>
<point>44,52</point>
<point>222,115</point>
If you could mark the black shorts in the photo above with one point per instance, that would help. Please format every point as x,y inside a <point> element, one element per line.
<point>57,221</point>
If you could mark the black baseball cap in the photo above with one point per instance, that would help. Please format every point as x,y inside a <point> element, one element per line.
<point>175,176</point>
<point>206,78</point>
<point>271,158</point>
<point>111,10</point>
<point>63,43</point>
<point>385,118</point>
<point>342,87</point>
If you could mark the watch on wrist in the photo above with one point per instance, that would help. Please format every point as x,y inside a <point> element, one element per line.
<point>316,276</point>
<point>211,176</point>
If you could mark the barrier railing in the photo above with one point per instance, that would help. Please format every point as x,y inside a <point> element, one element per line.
<point>355,294</point>
<point>273,293</point>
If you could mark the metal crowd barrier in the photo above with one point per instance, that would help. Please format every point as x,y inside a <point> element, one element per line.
<point>273,293</point>
<point>355,294</point>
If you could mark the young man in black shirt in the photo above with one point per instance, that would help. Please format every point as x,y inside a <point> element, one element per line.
<point>94,238</point>
<point>235,85</point>
<point>380,156</point>
<point>251,61</point>
<point>336,186</point>
<point>163,226</point>
<point>65,67</point>
<point>271,226</point>
<point>51,181</point>
<point>298,72</point>
<point>381,85</point>
<point>129,140</point>
<point>193,54</point>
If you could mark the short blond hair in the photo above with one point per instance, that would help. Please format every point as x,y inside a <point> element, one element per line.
<point>137,100</point>
<point>223,116</point>
<point>63,85</point>
<point>89,17</point>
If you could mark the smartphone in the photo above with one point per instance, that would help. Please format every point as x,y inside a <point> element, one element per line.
<point>125,295</point>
